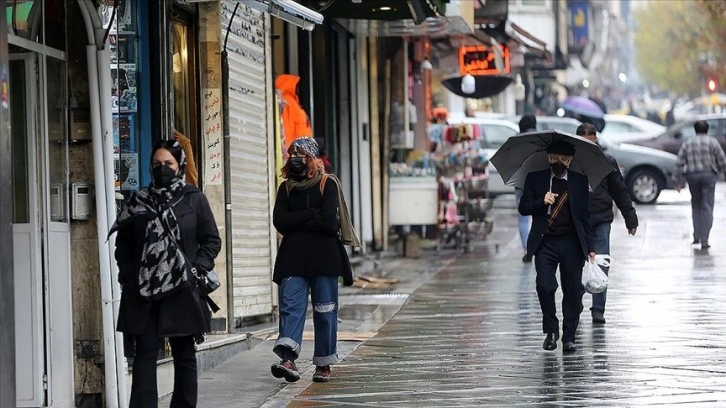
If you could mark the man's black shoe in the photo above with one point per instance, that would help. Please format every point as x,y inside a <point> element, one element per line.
<point>695,242</point>
<point>550,342</point>
<point>526,259</point>
<point>569,347</point>
<point>598,317</point>
<point>704,245</point>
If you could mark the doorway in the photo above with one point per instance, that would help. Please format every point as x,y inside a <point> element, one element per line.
<point>41,232</point>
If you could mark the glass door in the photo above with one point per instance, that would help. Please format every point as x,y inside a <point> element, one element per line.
<point>27,242</point>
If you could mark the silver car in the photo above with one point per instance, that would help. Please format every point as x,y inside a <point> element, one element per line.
<point>646,171</point>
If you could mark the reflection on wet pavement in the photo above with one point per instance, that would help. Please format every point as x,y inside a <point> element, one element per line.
<point>471,335</point>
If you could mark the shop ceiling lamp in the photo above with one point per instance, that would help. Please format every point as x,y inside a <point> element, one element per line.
<point>289,11</point>
<point>468,84</point>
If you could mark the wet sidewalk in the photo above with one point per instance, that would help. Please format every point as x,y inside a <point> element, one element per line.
<point>465,330</point>
<point>471,336</point>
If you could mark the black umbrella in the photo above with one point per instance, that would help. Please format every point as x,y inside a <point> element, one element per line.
<point>525,153</point>
<point>486,85</point>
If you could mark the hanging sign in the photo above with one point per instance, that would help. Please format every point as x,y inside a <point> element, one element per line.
<point>481,60</point>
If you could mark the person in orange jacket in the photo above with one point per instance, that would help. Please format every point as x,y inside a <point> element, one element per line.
<point>295,122</point>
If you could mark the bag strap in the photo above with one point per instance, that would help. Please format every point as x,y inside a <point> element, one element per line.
<point>323,180</point>
<point>558,207</point>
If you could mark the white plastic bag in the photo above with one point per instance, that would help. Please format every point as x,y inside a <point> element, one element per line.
<point>593,278</point>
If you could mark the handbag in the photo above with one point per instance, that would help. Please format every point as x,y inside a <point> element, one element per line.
<point>207,281</point>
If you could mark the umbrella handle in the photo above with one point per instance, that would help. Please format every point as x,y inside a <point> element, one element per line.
<point>549,207</point>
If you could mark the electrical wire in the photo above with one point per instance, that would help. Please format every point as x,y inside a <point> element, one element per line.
<point>110,23</point>
<point>226,36</point>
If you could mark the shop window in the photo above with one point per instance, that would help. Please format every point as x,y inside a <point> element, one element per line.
<point>183,79</point>
<point>38,20</point>
<point>123,40</point>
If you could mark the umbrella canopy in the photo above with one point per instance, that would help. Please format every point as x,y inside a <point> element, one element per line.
<point>525,153</point>
<point>582,106</point>
<point>486,85</point>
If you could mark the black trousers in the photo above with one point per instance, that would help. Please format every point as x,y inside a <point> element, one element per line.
<point>566,252</point>
<point>144,392</point>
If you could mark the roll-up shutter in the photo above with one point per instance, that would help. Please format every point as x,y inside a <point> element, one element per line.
<point>250,175</point>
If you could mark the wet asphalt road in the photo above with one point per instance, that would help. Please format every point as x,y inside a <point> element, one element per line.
<point>471,334</point>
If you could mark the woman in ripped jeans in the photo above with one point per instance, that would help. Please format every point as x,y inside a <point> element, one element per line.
<point>310,259</point>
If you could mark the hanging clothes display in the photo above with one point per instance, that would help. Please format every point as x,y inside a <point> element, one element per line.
<point>295,121</point>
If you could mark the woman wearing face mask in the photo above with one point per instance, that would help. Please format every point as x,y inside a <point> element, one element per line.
<point>163,231</point>
<point>310,258</point>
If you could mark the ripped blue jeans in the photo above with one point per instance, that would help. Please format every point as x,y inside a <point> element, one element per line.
<point>293,309</point>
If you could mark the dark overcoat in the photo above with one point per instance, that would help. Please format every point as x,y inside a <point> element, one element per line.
<point>308,222</point>
<point>185,312</point>
<point>536,185</point>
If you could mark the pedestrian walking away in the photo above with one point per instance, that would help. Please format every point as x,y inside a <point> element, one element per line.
<point>561,235</point>
<point>310,259</point>
<point>701,159</point>
<point>166,235</point>
<point>528,123</point>
<point>612,188</point>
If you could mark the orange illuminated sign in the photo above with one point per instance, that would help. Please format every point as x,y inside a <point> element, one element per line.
<point>479,60</point>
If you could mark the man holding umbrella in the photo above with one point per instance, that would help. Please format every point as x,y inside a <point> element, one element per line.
<point>561,235</point>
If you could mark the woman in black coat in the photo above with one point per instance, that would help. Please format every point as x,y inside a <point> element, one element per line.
<point>166,234</point>
<point>311,257</point>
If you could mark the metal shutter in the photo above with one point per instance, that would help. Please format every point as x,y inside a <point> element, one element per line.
<point>249,159</point>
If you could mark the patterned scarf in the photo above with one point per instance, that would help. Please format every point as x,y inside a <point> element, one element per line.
<point>164,268</point>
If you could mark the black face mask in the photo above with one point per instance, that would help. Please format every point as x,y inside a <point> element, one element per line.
<point>163,176</point>
<point>558,168</point>
<point>298,165</point>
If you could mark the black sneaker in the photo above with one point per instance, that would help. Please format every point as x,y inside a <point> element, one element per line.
<point>598,317</point>
<point>285,369</point>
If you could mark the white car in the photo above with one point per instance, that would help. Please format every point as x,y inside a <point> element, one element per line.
<point>626,128</point>
<point>496,132</point>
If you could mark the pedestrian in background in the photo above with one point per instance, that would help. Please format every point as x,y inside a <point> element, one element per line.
<point>163,231</point>
<point>611,188</point>
<point>561,235</point>
<point>528,123</point>
<point>701,159</point>
<point>311,257</point>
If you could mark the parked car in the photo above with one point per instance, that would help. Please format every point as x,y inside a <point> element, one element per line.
<point>646,171</point>
<point>626,128</point>
<point>672,139</point>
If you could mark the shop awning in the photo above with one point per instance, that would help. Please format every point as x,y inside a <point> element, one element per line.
<point>385,10</point>
<point>509,32</point>
<point>433,27</point>
<point>287,10</point>
<point>533,44</point>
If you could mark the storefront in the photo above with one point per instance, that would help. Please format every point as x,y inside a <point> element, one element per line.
<point>7,295</point>
<point>34,85</point>
<point>250,171</point>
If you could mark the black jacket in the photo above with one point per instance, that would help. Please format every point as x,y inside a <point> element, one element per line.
<point>536,185</point>
<point>308,223</point>
<point>184,312</point>
<point>612,188</point>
